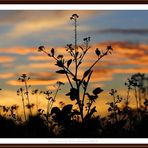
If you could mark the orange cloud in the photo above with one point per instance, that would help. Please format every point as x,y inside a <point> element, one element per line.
<point>126,53</point>
<point>17,50</point>
<point>44,57</point>
<point>49,65</point>
<point>42,75</point>
<point>6,59</point>
<point>32,82</point>
<point>131,70</point>
<point>39,82</point>
<point>6,75</point>
<point>101,75</point>
<point>39,58</point>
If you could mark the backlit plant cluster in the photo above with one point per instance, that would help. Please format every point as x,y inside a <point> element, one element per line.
<point>77,119</point>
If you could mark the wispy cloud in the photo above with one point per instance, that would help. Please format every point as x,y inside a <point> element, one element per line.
<point>6,75</point>
<point>38,82</point>
<point>136,31</point>
<point>38,78</point>
<point>6,59</point>
<point>17,50</point>
<point>126,53</point>
<point>28,22</point>
<point>49,65</point>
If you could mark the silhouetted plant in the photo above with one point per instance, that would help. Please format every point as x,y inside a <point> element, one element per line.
<point>59,84</point>
<point>146,104</point>
<point>5,110</point>
<point>49,98</point>
<point>30,106</point>
<point>20,92</point>
<point>13,110</point>
<point>137,82</point>
<point>64,117</point>
<point>24,78</point>
<point>41,111</point>
<point>77,83</point>
<point>129,86</point>
<point>36,92</point>
<point>61,104</point>
<point>113,106</point>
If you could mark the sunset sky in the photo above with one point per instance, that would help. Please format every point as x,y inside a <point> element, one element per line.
<point>21,32</point>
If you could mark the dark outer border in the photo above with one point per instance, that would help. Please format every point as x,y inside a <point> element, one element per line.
<point>73,1</point>
<point>74,145</point>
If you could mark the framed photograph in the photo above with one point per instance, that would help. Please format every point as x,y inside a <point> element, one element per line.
<point>74,75</point>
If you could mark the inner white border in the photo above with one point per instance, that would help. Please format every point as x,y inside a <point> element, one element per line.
<point>74,140</point>
<point>74,7</point>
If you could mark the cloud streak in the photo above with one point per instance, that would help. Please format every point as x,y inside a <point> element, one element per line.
<point>6,59</point>
<point>6,75</point>
<point>128,31</point>
<point>28,22</point>
<point>17,50</point>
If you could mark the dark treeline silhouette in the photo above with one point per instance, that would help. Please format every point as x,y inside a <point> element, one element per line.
<point>78,119</point>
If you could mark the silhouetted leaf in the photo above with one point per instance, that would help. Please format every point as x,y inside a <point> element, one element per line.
<point>109,109</point>
<point>49,54</point>
<point>111,104</point>
<point>85,39</point>
<point>52,52</point>
<point>75,79</point>
<point>69,45</point>
<point>109,48</point>
<point>49,98</point>
<point>93,110</point>
<point>84,83</point>
<point>92,97</point>
<point>98,52</point>
<point>59,56</point>
<point>74,16</point>
<point>97,91</point>
<point>86,73</point>
<point>145,102</point>
<point>73,94</point>
<point>69,62</point>
<point>67,109</point>
<point>55,110</point>
<point>59,83</point>
<point>61,71</point>
<point>59,63</point>
<point>39,110</point>
<point>76,112</point>
<point>40,48</point>
<point>77,53</point>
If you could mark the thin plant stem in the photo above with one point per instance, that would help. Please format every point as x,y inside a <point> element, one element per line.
<point>23,105</point>
<point>27,94</point>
